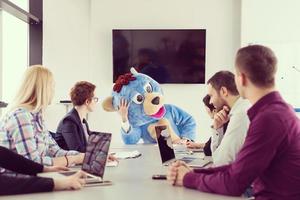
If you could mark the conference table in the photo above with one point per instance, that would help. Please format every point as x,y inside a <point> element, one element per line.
<point>132,179</point>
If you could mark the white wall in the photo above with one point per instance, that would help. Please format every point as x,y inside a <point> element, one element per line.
<point>66,41</point>
<point>78,46</point>
<point>275,23</point>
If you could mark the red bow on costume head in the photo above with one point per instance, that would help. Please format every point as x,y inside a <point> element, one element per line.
<point>123,80</point>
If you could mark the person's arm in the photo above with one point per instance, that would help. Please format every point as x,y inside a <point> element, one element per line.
<point>211,170</point>
<point>232,141</point>
<point>62,157</point>
<point>71,136</point>
<point>21,185</point>
<point>216,138</point>
<point>132,136</point>
<point>253,159</point>
<point>186,124</point>
<point>220,119</point>
<point>17,163</point>
<point>54,150</point>
<point>125,126</point>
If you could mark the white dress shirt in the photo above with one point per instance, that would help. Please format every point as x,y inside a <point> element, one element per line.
<point>225,147</point>
<point>125,126</point>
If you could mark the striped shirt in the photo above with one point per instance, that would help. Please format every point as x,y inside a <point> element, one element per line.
<point>25,133</point>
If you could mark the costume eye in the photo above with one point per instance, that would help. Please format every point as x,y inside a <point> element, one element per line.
<point>138,98</point>
<point>148,88</point>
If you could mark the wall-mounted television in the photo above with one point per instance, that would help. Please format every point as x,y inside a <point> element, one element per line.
<point>166,55</point>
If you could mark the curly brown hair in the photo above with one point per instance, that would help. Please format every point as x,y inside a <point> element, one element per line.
<point>81,92</point>
<point>123,80</point>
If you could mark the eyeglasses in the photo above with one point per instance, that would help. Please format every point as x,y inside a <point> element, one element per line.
<point>96,99</point>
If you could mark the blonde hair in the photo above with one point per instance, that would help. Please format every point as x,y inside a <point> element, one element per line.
<point>36,90</point>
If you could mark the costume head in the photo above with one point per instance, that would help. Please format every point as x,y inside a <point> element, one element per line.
<point>145,97</point>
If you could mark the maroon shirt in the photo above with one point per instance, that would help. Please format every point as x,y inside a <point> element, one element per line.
<point>269,158</point>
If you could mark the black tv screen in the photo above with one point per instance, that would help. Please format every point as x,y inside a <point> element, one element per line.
<point>168,56</point>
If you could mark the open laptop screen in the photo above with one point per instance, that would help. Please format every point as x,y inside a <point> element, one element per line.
<point>96,153</point>
<point>164,141</point>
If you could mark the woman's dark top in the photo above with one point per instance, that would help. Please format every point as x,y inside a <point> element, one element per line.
<point>20,185</point>
<point>70,134</point>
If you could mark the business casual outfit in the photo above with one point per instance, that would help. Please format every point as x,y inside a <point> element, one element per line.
<point>25,133</point>
<point>226,143</point>
<point>207,146</point>
<point>72,133</point>
<point>269,158</point>
<point>20,185</point>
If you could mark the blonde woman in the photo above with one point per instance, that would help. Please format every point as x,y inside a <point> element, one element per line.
<point>23,130</point>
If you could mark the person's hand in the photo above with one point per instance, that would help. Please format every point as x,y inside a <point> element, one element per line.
<point>176,173</point>
<point>54,168</point>
<point>112,158</point>
<point>210,113</point>
<point>221,117</point>
<point>194,145</point>
<point>74,182</point>
<point>123,110</point>
<point>163,122</point>
<point>179,141</point>
<point>75,159</point>
<point>79,158</point>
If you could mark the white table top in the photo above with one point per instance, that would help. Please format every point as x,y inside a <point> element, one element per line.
<point>131,180</point>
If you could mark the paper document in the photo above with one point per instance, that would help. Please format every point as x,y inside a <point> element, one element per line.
<point>112,164</point>
<point>126,154</point>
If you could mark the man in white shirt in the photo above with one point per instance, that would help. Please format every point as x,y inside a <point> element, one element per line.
<point>230,122</point>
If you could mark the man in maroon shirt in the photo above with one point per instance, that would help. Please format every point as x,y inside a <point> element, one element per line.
<point>270,157</point>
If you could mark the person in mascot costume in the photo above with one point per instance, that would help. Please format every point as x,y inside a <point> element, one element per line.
<point>143,100</point>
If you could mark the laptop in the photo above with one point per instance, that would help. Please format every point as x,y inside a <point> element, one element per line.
<point>167,152</point>
<point>94,160</point>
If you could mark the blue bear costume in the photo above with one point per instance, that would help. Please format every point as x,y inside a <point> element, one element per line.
<point>147,110</point>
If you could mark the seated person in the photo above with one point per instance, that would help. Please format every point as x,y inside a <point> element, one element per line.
<point>205,146</point>
<point>23,130</point>
<point>230,122</point>
<point>270,156</point>
<point>20,185</point>
<point>140,102</point>
<point>73,130</point>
